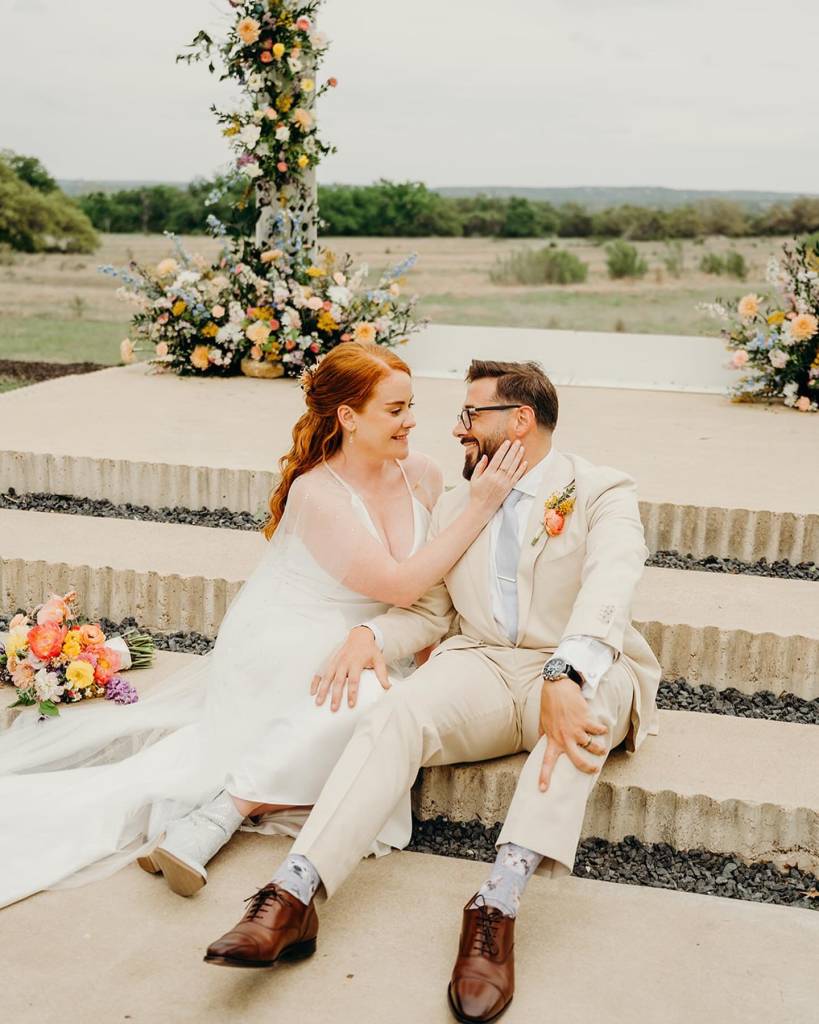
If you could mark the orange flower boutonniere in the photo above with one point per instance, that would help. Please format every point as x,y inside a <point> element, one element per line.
<point>555,510</point>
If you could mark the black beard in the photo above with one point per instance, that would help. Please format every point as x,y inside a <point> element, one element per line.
<point>487,448</point>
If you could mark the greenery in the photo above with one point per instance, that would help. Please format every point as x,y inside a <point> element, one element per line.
<point>623,260</point>
<point>732,263</point>
<point>540,266</point>
<point>712,263</point>
<point>35,216</point>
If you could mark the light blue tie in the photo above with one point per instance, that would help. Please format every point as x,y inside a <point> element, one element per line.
<point>507,555</point>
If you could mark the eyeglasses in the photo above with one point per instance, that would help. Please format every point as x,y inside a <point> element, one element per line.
<point>468,411</point>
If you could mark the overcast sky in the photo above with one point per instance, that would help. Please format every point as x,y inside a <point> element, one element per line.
<point>682,93</point>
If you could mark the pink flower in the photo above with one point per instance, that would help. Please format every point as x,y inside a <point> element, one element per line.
<point>45,640</point>
<point>54,610</point>
<point>803,404</point>
<point>281,166</point>
<point>303,24</point>
<point>108,663</point>
<point>18,620</point>
<point>553,522</point>
<point>332,82</point>
<point>740,359</point>
<point>162,349</point>
<point>164,318</point>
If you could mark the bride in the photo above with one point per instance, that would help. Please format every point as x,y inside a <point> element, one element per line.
<point>239,740</point>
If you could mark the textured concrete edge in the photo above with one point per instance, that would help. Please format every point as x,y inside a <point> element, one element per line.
<point>748,830</point>
<point>721,658</point>
<point>746,534</point>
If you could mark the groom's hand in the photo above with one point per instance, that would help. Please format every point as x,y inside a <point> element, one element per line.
<point>567,725</point>
<point>360,651</point>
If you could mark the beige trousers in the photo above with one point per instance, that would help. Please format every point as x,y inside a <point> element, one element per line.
<point>463,705</point>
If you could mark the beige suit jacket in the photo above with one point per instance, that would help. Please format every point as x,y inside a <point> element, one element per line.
<point>580,582</point>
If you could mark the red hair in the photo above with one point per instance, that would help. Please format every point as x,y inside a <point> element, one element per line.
<point>348,375</point>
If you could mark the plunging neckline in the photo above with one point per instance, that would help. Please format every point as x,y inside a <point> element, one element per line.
<point>382,537</point>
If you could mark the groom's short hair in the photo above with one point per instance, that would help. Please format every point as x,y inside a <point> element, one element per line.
<point>525,383</point>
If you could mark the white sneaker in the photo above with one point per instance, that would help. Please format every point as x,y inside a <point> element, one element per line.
<point>189,843</point>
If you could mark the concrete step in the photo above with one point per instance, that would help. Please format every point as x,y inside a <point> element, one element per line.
<point>585,950</point>
<point>705,489</point>
<point>728,785</point>
<point>690,786</point>
<point>754,633</point>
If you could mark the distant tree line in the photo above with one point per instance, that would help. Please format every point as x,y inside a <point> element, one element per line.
<point>411,209</point>
<point>35,215</point>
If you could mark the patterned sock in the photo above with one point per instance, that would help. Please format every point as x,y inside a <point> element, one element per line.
<point>514,866</point>
<point>298,877</point>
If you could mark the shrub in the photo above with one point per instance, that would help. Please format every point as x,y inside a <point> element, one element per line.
<point>539,266</point>
<point>712,263</point>
<point>623,260</point>
<point>735,265</point>
<point>674,258</point>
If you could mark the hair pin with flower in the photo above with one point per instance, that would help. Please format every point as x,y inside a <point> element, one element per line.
<point>556,509</point>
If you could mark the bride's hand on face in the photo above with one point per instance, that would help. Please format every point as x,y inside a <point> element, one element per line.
<point>492,480</point>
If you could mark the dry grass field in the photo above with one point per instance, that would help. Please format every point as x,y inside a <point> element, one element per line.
<point>60,308</point>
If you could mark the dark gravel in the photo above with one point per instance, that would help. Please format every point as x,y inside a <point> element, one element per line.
<point>678,695</point>
<point>635,863</point>
<point>34,372</point>
<point>781,569</point>
<point>223,518</point>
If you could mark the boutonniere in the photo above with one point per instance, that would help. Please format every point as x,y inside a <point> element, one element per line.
<point>555,510</point>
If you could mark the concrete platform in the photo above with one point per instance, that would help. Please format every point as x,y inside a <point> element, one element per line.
<point>715,478</point>
<point>750,632</point>
<point>131,950</point>
<point>690,786</point>
<point>728,785</point>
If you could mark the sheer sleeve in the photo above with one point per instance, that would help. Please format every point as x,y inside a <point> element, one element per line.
<point>425,479</point>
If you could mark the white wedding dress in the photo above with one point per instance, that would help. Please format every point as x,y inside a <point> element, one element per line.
<point>88,792</point>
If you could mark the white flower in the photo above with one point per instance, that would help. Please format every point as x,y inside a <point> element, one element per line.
<point>291,319</point>
<point>339,278</point>
<point>258,116</point>
<point>255,82</point>
<point>235,312</point>
<point>790,393</point>
<point>778,358</point>
<point>294,64</point>
<point>252,170</point>
<point>263,149</point>
<point>315,302</point>
<point>283,134</point>
<point>339,295</point>
<point>47,685</point>
<point>318,40</point>
<point>280,294</point>
<point>250,135</point>
<point>185,278</point>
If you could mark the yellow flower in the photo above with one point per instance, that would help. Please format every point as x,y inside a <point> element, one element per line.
<point>284,103</point>
<point>307,84</point>
<point>278,50</point>
<point>16,641</point>
<point>303,118</point>
<point>80,674</point>
<point>263,313</point>
<point>748,306</point>
<point>326,322</point>
<point>234,129</point>
<point>72,645</point>
<point>315,272</point>
<point>804,326</point>
<point>303,160</point>
<point>364,332</point>
<point>776,318</point>
<point>248,30</point>
<point>210,330</point>
<point>271,254</point>
<point>258,333</point>
<point>179,307</point>
<point>200,357</point>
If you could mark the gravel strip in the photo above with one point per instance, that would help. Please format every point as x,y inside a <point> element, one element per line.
<point>101,508</point>
<point>635,863</point>
<point>223,518</point>
<point>783,569</point>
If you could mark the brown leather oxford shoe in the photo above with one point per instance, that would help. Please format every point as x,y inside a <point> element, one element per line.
<point>276,927</point>
<point>483,979</point>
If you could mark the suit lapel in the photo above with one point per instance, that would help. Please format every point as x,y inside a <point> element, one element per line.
<point>559,474</point>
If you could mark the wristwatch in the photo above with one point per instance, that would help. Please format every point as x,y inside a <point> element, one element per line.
<point>556,668</point>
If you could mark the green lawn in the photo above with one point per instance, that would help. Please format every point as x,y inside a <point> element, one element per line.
<point>9,384</point>
<point>61,341</point>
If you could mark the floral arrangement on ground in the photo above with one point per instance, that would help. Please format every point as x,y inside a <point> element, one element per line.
<point>775,341</point>
<point>54,656</point>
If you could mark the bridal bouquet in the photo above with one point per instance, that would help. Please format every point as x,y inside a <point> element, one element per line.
<point>53,657</point>
<point>775,342</point>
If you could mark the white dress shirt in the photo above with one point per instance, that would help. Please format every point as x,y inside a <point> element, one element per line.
<point>589,656</point>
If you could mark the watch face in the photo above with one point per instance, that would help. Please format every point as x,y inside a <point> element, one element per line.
<point>555,668</point>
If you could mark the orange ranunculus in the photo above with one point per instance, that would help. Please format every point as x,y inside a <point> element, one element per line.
<point>45,640</point>
<point>91,634</point>
<point>54,610</point>
<point>553,522</point>
<point>108,662</point>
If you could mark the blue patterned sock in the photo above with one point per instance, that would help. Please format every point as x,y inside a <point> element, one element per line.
<point>513,867</point>
<point>298,877</point>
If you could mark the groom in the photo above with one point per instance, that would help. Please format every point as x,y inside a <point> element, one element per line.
<point>542,657</point>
